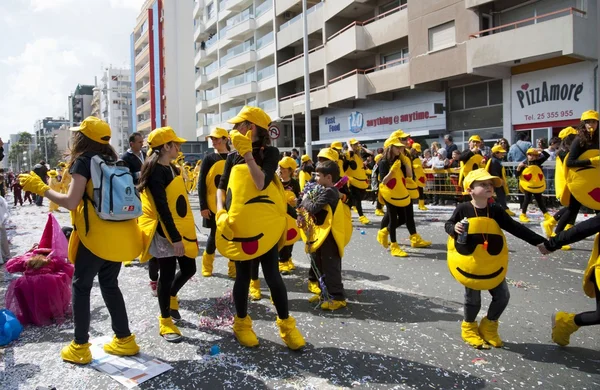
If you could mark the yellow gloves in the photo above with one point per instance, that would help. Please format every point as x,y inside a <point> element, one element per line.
<point>222,219</point>
<point>32,183</point>
<point>291,200</point>
<point>595,160</point>
<point>241,143</point>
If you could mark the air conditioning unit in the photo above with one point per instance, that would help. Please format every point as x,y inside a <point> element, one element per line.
<point>287,15</point>
<point>164,116</point>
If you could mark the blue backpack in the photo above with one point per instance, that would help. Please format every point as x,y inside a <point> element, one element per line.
<point>115,197</point>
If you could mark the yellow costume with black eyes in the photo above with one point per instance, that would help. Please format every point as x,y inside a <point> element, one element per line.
<point>532,180</point>
<point>180,209</point>
<point>475,162</point>
<point>358,177</point>
<point>583,181</point>
<point>504,181</point>
<point>419,173</point>
<point>212,181</point>
<point>411,187</point>
<point>257,218</point>
<point>560,181</point>
<point>394,191</point>
<point>337,223</point>
<point>474,266</point>
<point>303,178</point>
<point>593,268</point>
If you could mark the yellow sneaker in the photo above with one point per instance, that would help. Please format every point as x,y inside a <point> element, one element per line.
<point>547,216</point>
<point>333,305</point>
<point>77,353</point>
<point>422,205</point>
<point>125,346</point>
<point>488,331</point>
<point>291,264</point>
<point>313,287</point>
<point>382,237</point>
<point>174,306</point>
<point>563,326</point>
<point>548,226</point>
<point>284,268</point>
<point>523,218</point>
<point>509,212</point>
<point>417,242</point>
<point>168,330</point>
<point>379,212</point>
<point>315,298</point>
<point>242,328</point>
<point>354,209</point>
<point>255,294</point>
<point>128,263</point>
<point>290,334</point>
<point>207,264</point>
<point>470,335</point>
<point>364,220</point>
<point>231,269</point>
<point>396,251</point>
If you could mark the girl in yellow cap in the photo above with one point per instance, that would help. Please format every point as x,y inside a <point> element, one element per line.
<point>287,166</point>
<point>532,182</point>
<point>88,248</point>
<point>306,170</point>
<point>210,175</point>
<point>167,224</point>
<point>358,177</point>
<point>251,222</point>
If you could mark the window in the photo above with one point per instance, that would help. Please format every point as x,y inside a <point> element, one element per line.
<point>457,99</point>
<point>391,5</point>
<point>387,58</point>
<point>442,36</point>
<point>495,92</point>
<point>476,95</point>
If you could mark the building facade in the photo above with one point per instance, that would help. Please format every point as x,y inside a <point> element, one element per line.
<point>115,105</point>
<point>234,60</point>
<point>162,78</point>
<point>49,130</point>
<point>463,67</point>
<point>80,103</point>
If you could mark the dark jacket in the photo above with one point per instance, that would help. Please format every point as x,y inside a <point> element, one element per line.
<point>133,163</point>
<point>41,171</point>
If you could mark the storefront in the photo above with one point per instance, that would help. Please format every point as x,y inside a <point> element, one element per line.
<point>546,101</point>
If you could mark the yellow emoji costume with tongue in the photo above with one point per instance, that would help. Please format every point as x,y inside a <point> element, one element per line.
<point>395,191</point>
<point>475,162</point>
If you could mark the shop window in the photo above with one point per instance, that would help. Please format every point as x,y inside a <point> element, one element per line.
<point>442,36</point>
<point>495,92</point>
<point>457,99</point>
<point>476,95</point>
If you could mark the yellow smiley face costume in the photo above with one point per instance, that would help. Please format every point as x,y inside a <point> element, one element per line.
<point>394,191</point>
<point>358,177</point>
<point>420,177</point>
<point>560,181</point>
<point>335,222</point>
<point>475,162</point>
<point>583,182</point>
<point>213,177</point>
<point>532,180</point>
<point>593,268</point>
<point>474,265</point>
<point>504,181</point>
<point>256,218</point>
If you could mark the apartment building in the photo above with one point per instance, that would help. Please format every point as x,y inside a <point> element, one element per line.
<point>234,60</point>
<point>115,105</point>
<point>80,103</point>
<point>162,80</point>
<point>487,67</point>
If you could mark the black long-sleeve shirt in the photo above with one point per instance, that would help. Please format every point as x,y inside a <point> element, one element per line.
<point>576,233</point>
<point>542,159</point>
<point>134,163</point>
<point>495,167</point>
<point>268,163</point>
<point>466,210</point>
<point>292,185</point>
<point>577,150</point>
<point>467,154</point>
<point>158,181</point>
<point>207,163</point>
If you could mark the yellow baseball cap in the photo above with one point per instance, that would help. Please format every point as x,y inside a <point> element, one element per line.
<point>163,135</point>
<point>480,175</point>
<point>416,147</point>
<point>288,162</point>
<point>305,158</point>
<point>329,154</point>
<point>52,173</point>
<point>533,151</point>
<point>251,114</point>
<point>589,114</point>
<point>378,157</point>
<point>217,132</point>
<point>567,131</point>
<point>337,145</point>
<point>392,141</point>
<point>475,138</point>
<point>95,129</point>
<point>498,149</point>
<point>399,134</point>
<point>353,141</point>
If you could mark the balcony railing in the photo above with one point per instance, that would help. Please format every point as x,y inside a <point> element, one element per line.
<point>211,68</point>
<point>238,80</point>
<point>211,41</point>
<point>534,19</point>
<point>315,89</point>
<point>226,115</point>
<point>241,48</point>
<point>264,7</point>
<point>301,55</point>
<point>264,40</point>
<point>265,72</point>
<point>143,68</point>
<point>239,18</point>
<point>269,105</point>
<point>299,16</point>
<point>364,23</point>
<point>212,119</point>
<point>377,68</point>
<point>212,93</point>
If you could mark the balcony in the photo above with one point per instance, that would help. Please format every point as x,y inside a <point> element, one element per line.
<point>198,9</point>
<point>201,105</point>
<point>237,5</point>
<point>284,5</point>
<point>262,13</point>
<point>143,91</point>
<point>263,46</point>
<point>141,40</point>
<point>291,31</point>
<point>366,35</point>
<point>211,46</point>
<point>210,19</point>
<point>291,104</point>
<point>242,30</point>
<point>242,91</point>
<point>293,68</point>
<point>144,126</point>
<point>142,108</point>
<point>203,57</point>
<point>202,131</point>
<point>199,30</point>
<point>144,72</point>
<point>242,61</point>
<point>200,81</point>
<point>554,34</point>
<point>142,55</point>
<point>230,113</point>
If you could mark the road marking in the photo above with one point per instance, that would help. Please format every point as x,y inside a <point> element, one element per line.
<point>575,271</point>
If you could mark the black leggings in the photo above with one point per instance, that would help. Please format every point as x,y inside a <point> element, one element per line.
<point>357,197</point>
<point>538,198</point>
<point>397,216</point>
<point>421,195</point>
<point>270,267</point>
<point>210,242</point>
<point>284,254</point>
<point>153,269</point>
<point>169,283</point>
<point>569,215</point>
<point>590,317</point>
<point>501,197</point>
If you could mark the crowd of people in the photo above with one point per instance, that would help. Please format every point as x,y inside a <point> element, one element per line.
<point>257,204</point>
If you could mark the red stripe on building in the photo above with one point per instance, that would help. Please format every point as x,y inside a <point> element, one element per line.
<point>161,50</point>
<point>529,126</point>
<point>152,70</point>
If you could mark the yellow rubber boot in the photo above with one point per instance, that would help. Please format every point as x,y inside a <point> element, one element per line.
<point>417,242</point>
<point>509,212</point>
<point>125,346</point>
<point>396,251</point>
<point>548,226</point>
<point>77,353</point>
<point>488,331</point>
<point>284,268</point>
<point>470,335</point>
<point>174,306</point>
<point>364,220</point>
<point>291,264</point>
<point>523,218</point>
<point>379,212</point>
<point>207,264</point>
<point>242,328</point>
<point>333,305</point>
<point>168,330</point>
<point>290,334</point>
<point>547,216</point>
<point>563,326</point>
<point>422,205</point>
<point>313,287</point>
<point>231,269</point>
<point>382,237</point>
<point>255,294</point>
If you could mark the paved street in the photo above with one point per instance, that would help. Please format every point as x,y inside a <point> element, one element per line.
<point>401,328</point>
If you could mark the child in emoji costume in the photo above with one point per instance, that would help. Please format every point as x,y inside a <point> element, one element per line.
<point>326,235</point>
<point>471,158</point>
<point>342,162</point>
<point>418,173</point>
<point>306,170</point>
<point>564,323</point>
<point>65,179</point>
<point>375,186</point>
<point>532,182</point>
<point>251,222</point>
<point>209,177</point>
<point>87,245</point>
<point>54,184</point>
<point>167,224</point>
<point>291,188</point>
<point>358,178</point>
<point>482,262</point>
<point>495,168</point>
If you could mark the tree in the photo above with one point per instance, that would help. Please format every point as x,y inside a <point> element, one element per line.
<point>15,157</point>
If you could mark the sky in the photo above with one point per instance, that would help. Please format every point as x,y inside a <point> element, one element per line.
<point>47,47</point>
